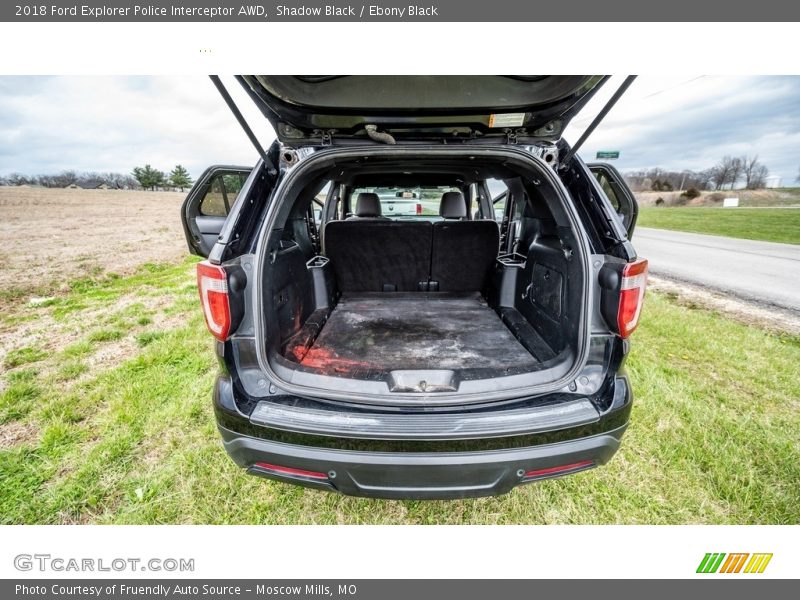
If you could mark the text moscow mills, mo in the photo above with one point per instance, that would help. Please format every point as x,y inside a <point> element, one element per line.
<point>190,590</point>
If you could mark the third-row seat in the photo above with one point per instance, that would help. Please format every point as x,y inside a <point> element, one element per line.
<point>463,251</point>
<point>374,254</point>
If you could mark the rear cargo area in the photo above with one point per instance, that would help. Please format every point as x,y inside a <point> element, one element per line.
<point>453,302</point>
<point>375,333</point>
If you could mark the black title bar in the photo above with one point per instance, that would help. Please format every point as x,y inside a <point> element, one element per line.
<point>376,589</point>
<point>520,12</point>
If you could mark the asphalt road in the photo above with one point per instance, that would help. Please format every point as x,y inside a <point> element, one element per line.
<point>761,271</point>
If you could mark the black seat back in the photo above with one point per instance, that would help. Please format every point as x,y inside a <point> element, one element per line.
<point>379,255</point>
<point>368,206</point>
<point>463,253</point>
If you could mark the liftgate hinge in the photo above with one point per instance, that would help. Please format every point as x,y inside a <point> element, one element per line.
<point>511,136</point>
<point>326,136</point>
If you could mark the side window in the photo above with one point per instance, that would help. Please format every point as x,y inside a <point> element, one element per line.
<point>222,194</point>
<point>618,193</point>
<point>474,203</point>
<point>499,192</point>
<point>338,210</point>
<point>319,202</point>
<point>609,191</point>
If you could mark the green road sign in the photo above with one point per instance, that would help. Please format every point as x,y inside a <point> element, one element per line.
<point>608,154</point>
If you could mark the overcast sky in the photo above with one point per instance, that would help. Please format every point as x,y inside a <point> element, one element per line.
<point>48,124</point>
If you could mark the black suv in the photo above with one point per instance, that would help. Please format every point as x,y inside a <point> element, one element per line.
<point>458,351</point>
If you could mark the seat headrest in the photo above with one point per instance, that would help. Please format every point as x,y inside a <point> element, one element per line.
<point>452,206</point>
<point>368,205</point>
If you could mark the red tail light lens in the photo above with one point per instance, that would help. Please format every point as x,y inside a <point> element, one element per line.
<point>560,470</point>
<point>419,208</point>
<point>213,286</point>
<point>291,471</point>
<point>631,296</point>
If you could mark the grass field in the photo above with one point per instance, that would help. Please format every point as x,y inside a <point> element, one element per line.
<point>110,422</point>
<point>768,224</point>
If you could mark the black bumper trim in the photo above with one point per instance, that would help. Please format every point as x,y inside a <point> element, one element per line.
<point>435,475</point>
<point>422,426</point>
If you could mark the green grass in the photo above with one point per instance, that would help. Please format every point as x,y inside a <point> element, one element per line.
<point>23,356</point>
<point>768,224</point>
<point>713,437</point>
<point>78,349</point>
<point>105,335</point>
<point>71,370</point>
<point>148,337</point>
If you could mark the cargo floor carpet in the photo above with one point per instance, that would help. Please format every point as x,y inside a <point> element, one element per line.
<point>407,330</point>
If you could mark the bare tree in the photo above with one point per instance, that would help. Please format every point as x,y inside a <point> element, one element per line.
<point>17,179</point>
<point>737,168</point>
<point>721,172</point>
<point>65,178</point>
<point>668,180</point>
<point>45,180</point>
<point>701,180</point>
<point>755,174</point>
<point>116,181</point>
<point>759,180</point>
<point>727,172</point>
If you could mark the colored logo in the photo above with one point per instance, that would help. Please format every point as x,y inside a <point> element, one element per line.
<point>742,562</point>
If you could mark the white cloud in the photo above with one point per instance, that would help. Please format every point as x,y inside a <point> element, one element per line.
<point>691,122</point>
<point>115,123</point>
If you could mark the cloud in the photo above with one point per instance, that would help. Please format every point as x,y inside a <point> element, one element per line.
<point>48,124</point>
<point>691,122</point>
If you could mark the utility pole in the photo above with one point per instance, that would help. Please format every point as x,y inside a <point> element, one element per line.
<point>683,180</point>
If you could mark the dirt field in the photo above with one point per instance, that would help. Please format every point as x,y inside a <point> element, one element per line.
<point>53,236</point>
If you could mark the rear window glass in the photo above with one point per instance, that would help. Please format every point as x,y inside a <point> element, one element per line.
<point>406,202</point>
<point>474,204</point>
<point>323,193</point>
<point>612,196</point>
<point>499,193</point>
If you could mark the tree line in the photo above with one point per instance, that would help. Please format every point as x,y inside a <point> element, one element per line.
<point>146,178</point>
<point>150,178</point>
<point>726,174</point>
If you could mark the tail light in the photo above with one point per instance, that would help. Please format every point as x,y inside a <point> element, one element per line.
<point>559,470</point>
<point>631,296</point>
<point>290,471</point>
<point>212,282</point>
<point>419,208</point>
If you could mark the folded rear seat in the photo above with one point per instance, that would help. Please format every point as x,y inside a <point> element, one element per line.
<point>462,251</point>
<point>379,255</point>
<point>372,254</point>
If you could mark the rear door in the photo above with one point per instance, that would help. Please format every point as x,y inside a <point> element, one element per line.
<point>618,193</point>
<point>313,110</point>
<point>208,204</point>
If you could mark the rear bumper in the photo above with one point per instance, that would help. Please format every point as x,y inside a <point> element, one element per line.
<point>430,475</point>
<point>396,456</point>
